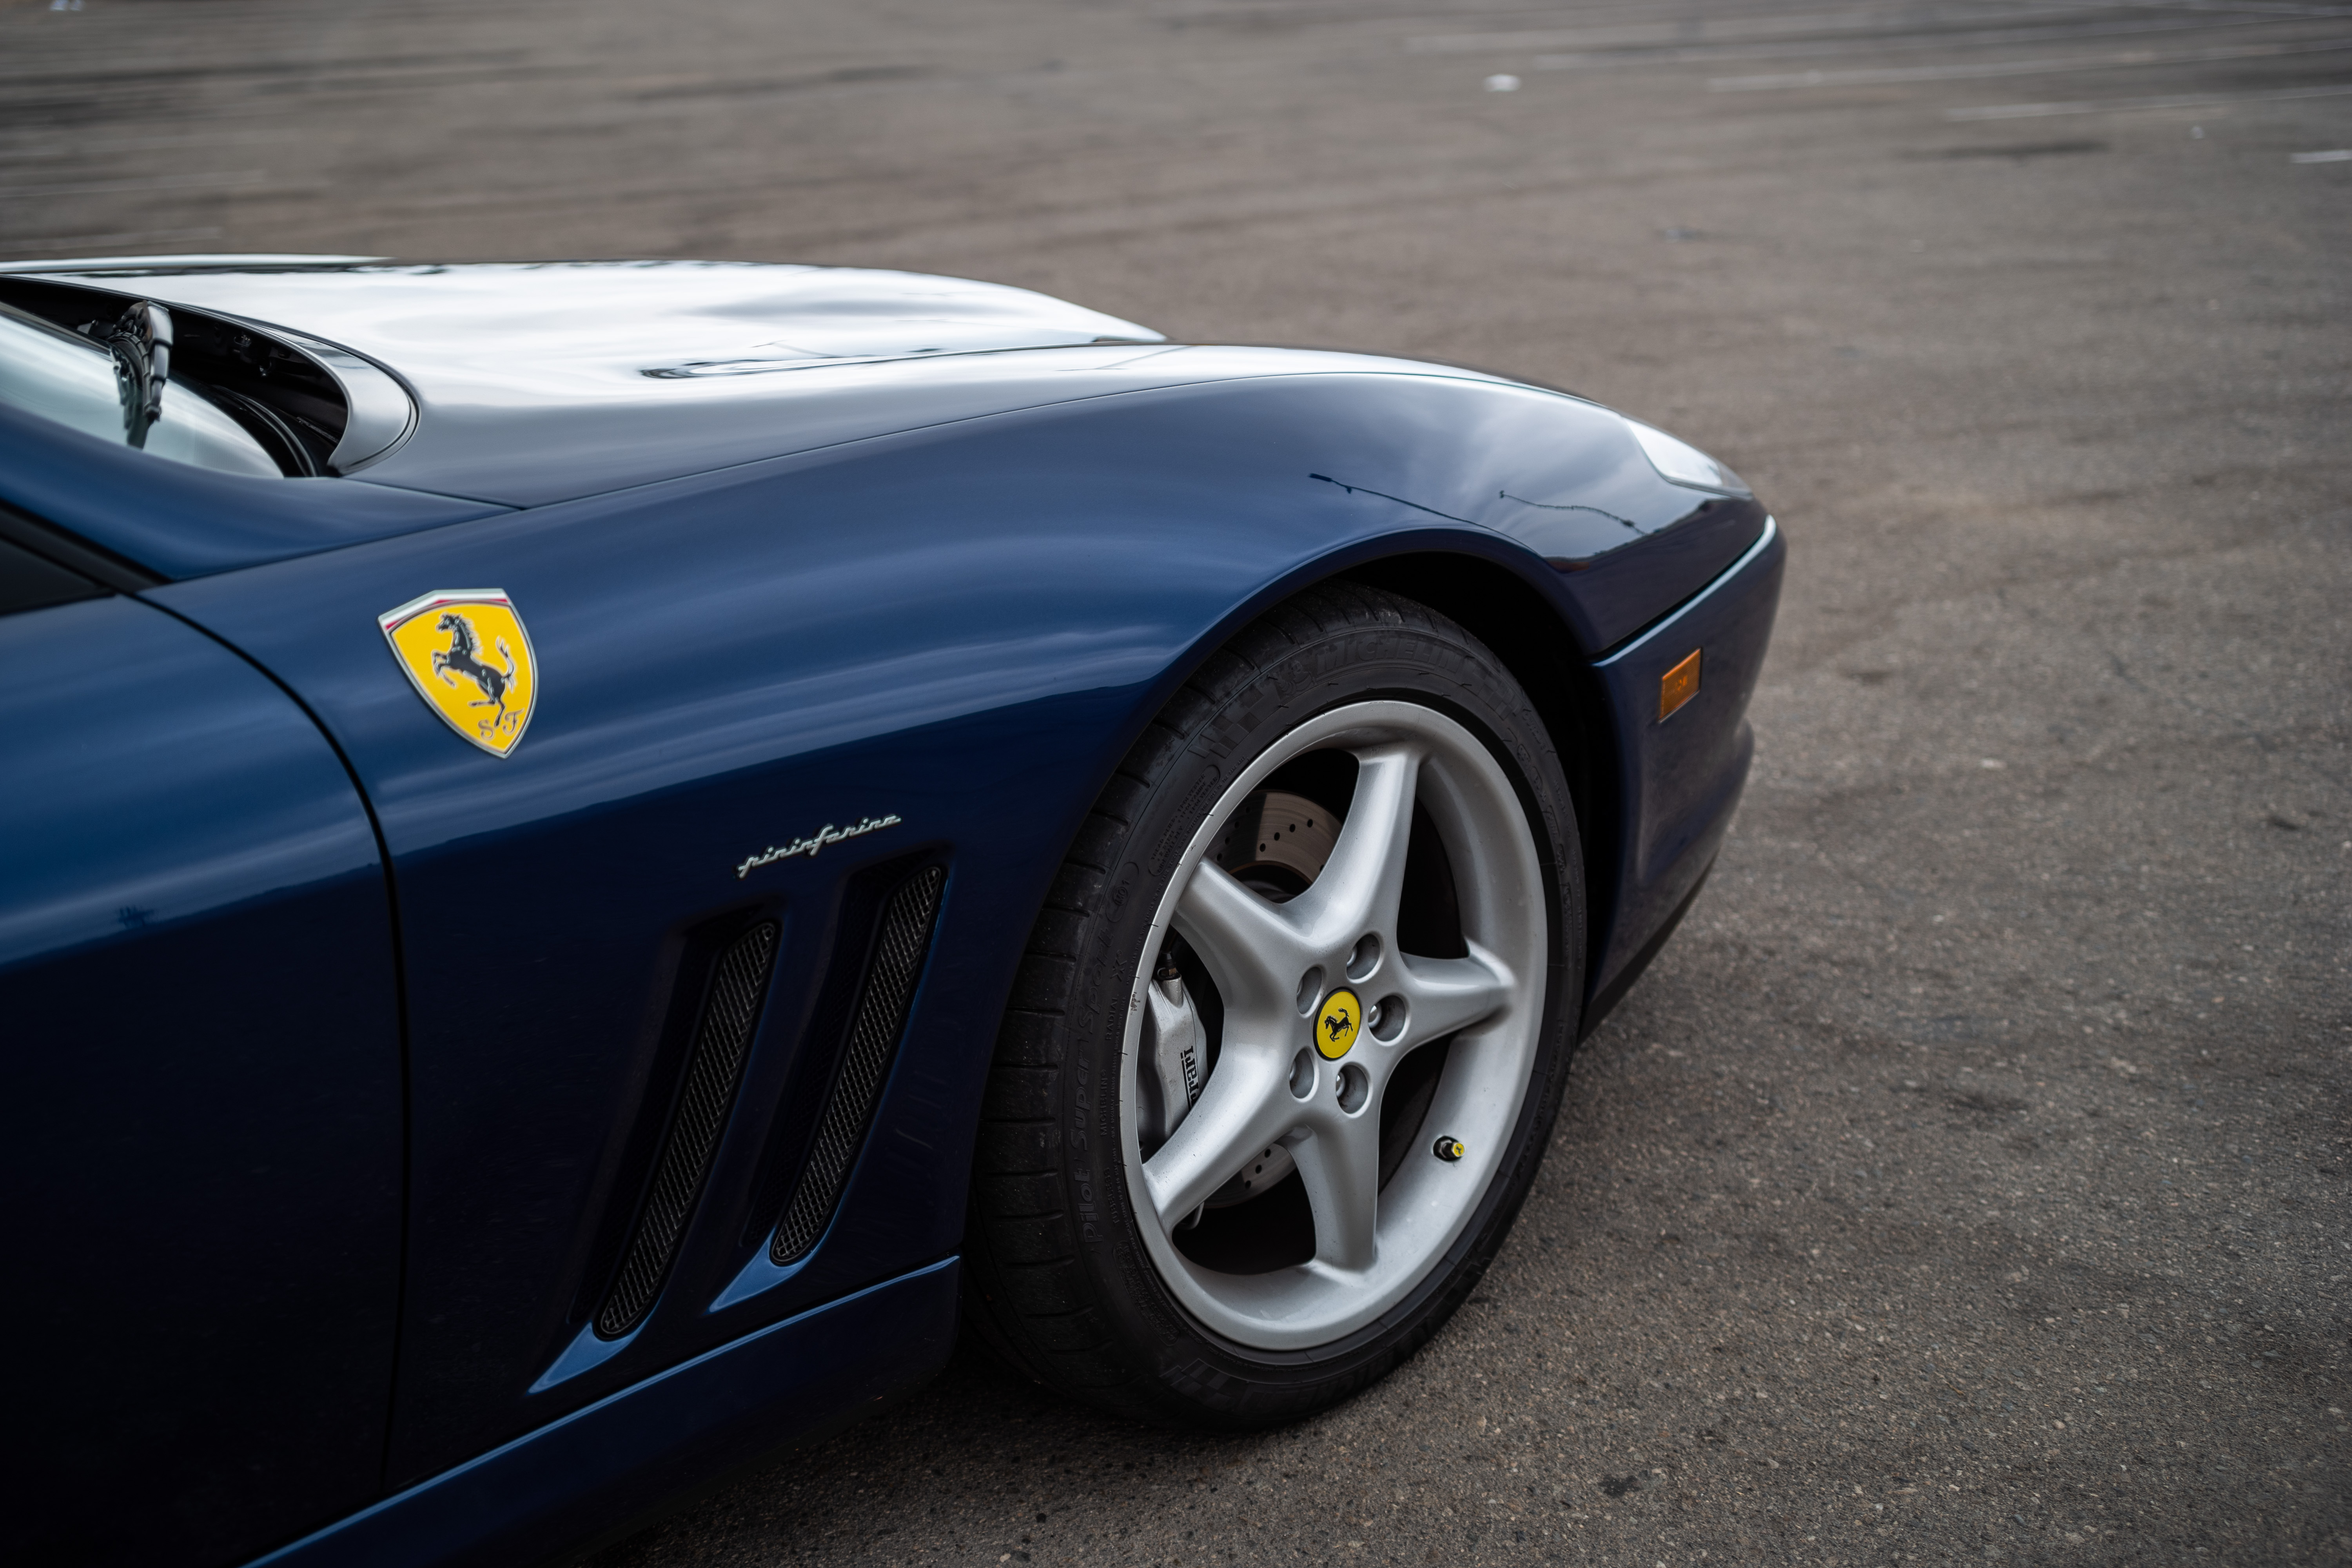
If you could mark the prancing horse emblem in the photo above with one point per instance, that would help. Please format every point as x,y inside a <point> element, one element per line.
<point>460,658</point>
<point>465,652</point>
<point>1338,1020</point>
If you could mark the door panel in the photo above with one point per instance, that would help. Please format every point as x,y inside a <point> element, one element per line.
<point>199,1100</point>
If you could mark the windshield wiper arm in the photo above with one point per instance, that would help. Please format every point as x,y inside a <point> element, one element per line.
<point>141,342</point>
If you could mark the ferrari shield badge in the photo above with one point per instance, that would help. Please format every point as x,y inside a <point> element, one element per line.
<point>1341,1017</point>
<point>465,652</point>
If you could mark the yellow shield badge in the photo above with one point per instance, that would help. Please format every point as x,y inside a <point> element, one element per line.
<point>465,652</point>
<point>1341,1017</point>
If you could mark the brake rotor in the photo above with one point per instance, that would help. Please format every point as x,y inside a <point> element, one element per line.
<point>1277,843</point>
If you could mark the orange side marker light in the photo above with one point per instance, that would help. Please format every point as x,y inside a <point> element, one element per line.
<point>1678,686</point>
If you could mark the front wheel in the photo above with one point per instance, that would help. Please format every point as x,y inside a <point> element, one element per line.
<point>1287,1043</point>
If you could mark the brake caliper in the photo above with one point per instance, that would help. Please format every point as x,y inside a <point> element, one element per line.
<point>1174,1052</point>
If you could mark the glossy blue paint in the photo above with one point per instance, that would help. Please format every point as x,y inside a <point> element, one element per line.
<point>1680,776</point>
<point>199,1100</point>
<point>549,382</point>
<point>180,521</point>
<point>587,1351</point>
<point>963,627</point>
<point>956,616</point>
<point>599,1464</point>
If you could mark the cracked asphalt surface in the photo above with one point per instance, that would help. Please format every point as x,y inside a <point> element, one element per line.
<point>1967,1179</point>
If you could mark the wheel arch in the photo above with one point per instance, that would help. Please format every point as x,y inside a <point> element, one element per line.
<point>1501,609</point>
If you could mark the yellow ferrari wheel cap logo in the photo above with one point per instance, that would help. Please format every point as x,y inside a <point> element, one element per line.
<point>465,652</point>
<point>1336,1023</point>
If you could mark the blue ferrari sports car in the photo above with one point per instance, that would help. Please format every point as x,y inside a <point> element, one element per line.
<point>594,857</point>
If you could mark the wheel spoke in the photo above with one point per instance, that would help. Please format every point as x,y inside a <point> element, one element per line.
<point>1340,1166</point>
<point>1357,889</point>
<point>1446,995</point>
<point>1246,1106</point>
<point>1249,945</point>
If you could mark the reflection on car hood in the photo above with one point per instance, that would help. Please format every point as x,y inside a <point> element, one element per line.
<point>539,382</point>
<point>544,382</point>
<point>566,330</point>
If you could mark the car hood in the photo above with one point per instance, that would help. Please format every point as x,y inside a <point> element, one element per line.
<point>535,383</point>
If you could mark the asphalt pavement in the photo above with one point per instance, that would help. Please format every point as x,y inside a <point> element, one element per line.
<point>1967,1180</point>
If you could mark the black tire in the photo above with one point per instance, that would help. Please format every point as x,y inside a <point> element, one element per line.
<point>1057,1280</point>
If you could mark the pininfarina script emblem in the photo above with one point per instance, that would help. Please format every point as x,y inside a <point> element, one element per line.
<point>816,841</point>
<point>465,652</point>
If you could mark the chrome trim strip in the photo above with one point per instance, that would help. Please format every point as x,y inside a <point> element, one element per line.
<point>380,415</point>
<point>1748,557</point>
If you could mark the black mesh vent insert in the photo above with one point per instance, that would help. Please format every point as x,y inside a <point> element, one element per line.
<point>905,938</point>
<point>721,1039</point>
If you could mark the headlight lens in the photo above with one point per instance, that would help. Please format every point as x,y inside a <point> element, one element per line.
<point>1681,463</point>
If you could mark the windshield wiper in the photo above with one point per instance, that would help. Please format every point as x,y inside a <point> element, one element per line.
<point>141,342</point>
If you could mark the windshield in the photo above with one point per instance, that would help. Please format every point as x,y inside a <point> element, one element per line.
<point>49,371</point>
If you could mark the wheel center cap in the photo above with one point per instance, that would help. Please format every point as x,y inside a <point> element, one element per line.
<point>1337,1022</point>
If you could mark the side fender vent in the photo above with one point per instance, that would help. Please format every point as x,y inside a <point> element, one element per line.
<point>721,1039</point>
<point>899,949</point>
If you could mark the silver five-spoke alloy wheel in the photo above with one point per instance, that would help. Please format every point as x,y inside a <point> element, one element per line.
<point>1321,1008</point>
